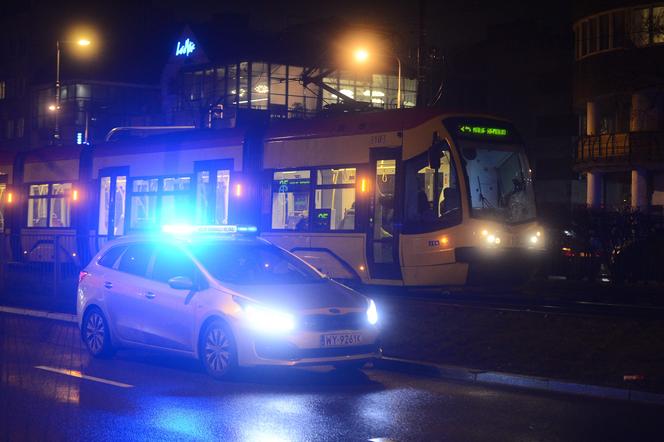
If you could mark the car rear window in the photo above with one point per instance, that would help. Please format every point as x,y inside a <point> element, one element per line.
<point>136,258</point>
<point>111,256</point>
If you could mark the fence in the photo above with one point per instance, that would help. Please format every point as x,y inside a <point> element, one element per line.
<point>621,148</point>
<point>44,264</point>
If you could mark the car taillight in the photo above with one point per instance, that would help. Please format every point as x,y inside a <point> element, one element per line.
<point>82,275</point>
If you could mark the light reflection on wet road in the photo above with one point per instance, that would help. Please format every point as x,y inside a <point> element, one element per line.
<point>170,398</point>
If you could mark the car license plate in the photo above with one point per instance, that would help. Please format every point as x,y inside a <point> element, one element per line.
<point>340,340</point>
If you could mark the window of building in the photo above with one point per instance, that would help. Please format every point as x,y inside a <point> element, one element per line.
<point>278,77</point>
<point>290,199</point>
<point>259,85</point>
<point>3,90</point>
<point>639,28</point>
<point>49,205</point>
<point>334,201</point>
<point>657,24</point>
<point>604,32</point>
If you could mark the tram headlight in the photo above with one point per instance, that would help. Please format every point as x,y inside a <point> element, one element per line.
<point>534,239</point>
<point>491,239</point>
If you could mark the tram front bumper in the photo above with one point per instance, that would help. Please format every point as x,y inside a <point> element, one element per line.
<point>508,264</point>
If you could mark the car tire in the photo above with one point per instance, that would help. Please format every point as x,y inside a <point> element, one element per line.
<point>96,334</point>
<point>217,350</point>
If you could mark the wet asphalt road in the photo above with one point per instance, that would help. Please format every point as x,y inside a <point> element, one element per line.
<point>159,397</point>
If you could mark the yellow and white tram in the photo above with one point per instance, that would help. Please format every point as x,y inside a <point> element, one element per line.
<point>415,197</point>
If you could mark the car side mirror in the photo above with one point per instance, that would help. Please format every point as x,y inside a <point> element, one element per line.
<point>181,283</point>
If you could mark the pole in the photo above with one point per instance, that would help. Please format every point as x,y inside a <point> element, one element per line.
<point>56,133</point>
<point>399,83</point>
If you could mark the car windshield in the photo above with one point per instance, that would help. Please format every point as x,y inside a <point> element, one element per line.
<point>499,181</point>
<point>252,263</point>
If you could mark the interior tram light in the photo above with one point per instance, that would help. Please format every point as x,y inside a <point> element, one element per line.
<point>238,190</point>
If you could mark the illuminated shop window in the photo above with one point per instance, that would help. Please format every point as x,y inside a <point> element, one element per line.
<point>290,199</point>
<point>49,205</point>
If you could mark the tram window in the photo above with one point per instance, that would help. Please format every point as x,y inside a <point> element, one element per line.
<point>143,211</point>
<point>432,197</point>
<point>290,199</point>
<point>3,188</point>
<point>336,201</point>
<point>212,197</point>
<point>49,205</point>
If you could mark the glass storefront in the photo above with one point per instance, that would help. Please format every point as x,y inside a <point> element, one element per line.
<point>277,88</point>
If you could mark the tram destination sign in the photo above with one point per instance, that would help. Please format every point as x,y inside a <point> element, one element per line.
<point>483,131</point>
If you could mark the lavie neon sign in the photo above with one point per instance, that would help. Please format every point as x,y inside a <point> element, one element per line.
<point>483,130</point>
<point>185,49</point>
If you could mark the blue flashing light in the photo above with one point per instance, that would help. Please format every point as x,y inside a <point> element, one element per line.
<point>187,229</point>
<point>79,137</point>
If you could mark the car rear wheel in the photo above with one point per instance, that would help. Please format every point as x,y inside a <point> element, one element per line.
<point>96,334</point>
<point>217,350</point>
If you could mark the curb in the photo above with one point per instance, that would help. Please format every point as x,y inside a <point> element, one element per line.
<point>514,380</point>
<point>66,317</point>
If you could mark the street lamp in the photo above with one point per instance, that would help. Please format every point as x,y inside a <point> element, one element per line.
<point>56,108</point>
<point>362,55</point>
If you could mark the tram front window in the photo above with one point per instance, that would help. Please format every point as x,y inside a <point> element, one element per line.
<point>432,196</point>
<point>499,181</point>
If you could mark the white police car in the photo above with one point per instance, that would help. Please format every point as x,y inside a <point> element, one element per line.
<point>229,299</point>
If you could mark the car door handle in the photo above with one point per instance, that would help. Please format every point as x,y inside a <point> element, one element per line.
<point>149,295</point>
<point>108,285</point>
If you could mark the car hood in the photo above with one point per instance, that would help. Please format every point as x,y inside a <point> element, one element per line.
<point>326,294</point>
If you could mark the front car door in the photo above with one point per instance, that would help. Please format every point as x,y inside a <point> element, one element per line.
<point>170,313</point>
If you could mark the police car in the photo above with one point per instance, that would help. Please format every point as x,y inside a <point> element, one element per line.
<point>225,296</point>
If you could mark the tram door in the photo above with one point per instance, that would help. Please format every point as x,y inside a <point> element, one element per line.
<point>383,235</point>
<point>112,202</point>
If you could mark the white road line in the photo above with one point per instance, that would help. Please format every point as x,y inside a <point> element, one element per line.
<point>78,374</point>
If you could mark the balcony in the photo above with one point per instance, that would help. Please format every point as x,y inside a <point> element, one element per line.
<point>619,151</point>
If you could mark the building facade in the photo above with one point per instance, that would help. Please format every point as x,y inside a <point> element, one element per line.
<point>197,88</point>
<point>619,98</point>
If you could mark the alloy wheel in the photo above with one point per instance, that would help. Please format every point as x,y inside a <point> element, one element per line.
<point>95,333</point>
<point>217,350</point>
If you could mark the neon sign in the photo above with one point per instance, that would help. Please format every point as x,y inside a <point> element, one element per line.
<point>483,130</point>
<point>185,49</point>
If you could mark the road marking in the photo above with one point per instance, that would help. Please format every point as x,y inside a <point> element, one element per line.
<point>78,374</point>
<point>39,314</point>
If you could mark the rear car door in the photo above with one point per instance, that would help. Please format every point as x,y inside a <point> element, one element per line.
<point>170,313</point>
<point>125,291</point>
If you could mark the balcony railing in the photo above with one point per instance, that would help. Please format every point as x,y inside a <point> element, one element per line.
<point>620,149</point>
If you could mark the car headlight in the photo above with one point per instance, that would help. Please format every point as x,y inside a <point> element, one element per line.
<point>372,313</point>
<point>264,319</point>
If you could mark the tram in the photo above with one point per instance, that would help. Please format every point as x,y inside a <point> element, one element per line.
<point>415,197</point>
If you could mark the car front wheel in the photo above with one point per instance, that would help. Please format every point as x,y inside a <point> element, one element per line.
<point>217,350</point>
<point>96,334</point>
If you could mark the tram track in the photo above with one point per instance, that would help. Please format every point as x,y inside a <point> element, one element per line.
<point>530,305</point>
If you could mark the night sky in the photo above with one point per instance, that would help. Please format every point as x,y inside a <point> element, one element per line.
<point>136,37</point>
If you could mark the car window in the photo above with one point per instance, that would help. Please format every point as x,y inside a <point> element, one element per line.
<point>136,258</point>
<point>170,262</point>
<point>111,256</point>
<point>253,264</point>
